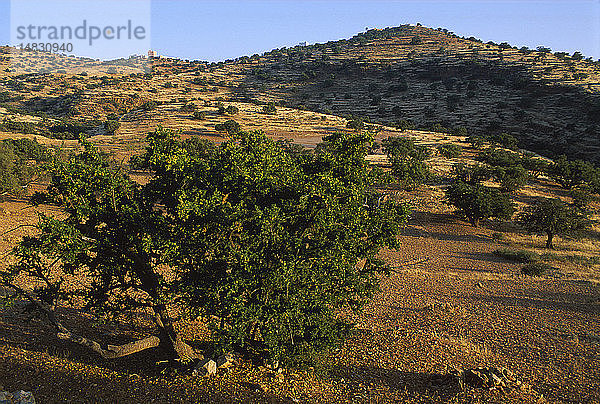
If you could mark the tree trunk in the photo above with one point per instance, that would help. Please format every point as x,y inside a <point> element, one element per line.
<point>180,350</point>
<point>111,352</point>
<point>549,240</point>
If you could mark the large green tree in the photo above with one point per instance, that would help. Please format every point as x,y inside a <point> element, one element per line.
<point>270,247</point>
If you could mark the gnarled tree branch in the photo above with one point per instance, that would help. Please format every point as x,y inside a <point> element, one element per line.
<point>111,352</point>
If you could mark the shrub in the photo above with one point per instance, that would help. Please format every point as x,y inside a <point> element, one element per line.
<point>71,129</point>
<point>396,147</point>
<point>404,124</point>
<point>199,115</point>
<point>500,158</point>
<point>571,173</point>
<point>410,172</point>
<point>450,151</point>
<point>355,123</point>
<point>471,174</point>
<point>505,140</point>
<point>232,110</point>
<point>20,161</point>
<point>111,126</point>
<point>188,107</point>
<point>476,142</point>
<point>511,178</point>
<point>522,256</point>
<point>535,166</point>
<point>477,202</point>
<point>416,40</point>
<point>407,161</point>
<point>230,126</point>
<point>581,196</point>
<point>536,268</point>
<point>149,106</point>
<point>269,108</point>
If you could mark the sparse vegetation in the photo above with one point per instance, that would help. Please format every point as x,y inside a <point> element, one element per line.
<point>230,127</point>
<point>20,163</point>
<point>111,126</point>
<point>450,150</point>
<point>522,256</point>
<point>269,108</point>
<point>407,160</point>
<point>536,268</point>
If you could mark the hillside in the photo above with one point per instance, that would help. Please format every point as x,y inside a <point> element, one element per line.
<point>549,101</point>
<point>455,298</point>
<point>407,76</point>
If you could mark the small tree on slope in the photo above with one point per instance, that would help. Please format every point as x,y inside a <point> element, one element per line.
<point>551,217</point>
<point>478,202</point>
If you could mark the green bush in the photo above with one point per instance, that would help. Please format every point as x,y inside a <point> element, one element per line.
<point>471,174</point>
<point>407,161</point>
<point>511,178</point>
<point>199,115</point>
<point>230,126</point>
<point>111,126</point>
<point>450,151</point>
<point>500,158</point>
<point>536,268</point>
<point>355,123</point>
<point>149,106</point>
<point>188,107</point>
<point>20,162</point>
<point>410,172</point>
<point>276,252</point>
<point>551,217</point>
<point>269,108</point>
<point>535,166</point>
<point>522,256</point>
<point>577,172</point>
<point>232,110</point>
<point>477,202</point>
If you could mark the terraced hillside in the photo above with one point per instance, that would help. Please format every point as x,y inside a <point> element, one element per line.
<point>436,79</point>
<point>409,76</point>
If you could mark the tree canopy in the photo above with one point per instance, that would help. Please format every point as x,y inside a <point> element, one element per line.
<point>551,217</point>
<point>478,202</point>
<point>270,247</point>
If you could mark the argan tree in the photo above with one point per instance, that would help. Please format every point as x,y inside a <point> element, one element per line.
<point>478,202</point>
<point>270,247</point>
<point>20,160</point>
<point>230,127</point>
<point>551,217</point>
<point>570,173</point>
<point>407,160</point>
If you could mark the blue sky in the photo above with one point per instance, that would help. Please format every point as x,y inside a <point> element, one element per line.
<point>217,30</point>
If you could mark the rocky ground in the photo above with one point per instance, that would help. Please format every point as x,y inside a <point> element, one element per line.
<point>449,305</point>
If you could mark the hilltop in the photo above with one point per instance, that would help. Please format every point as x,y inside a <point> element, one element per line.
<point>405,77</point>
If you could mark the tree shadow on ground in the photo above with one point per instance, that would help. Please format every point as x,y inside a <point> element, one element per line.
<point>34,333</point>
<point>436,387</point>
<point>548,301</point>
<point>482,256</point>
